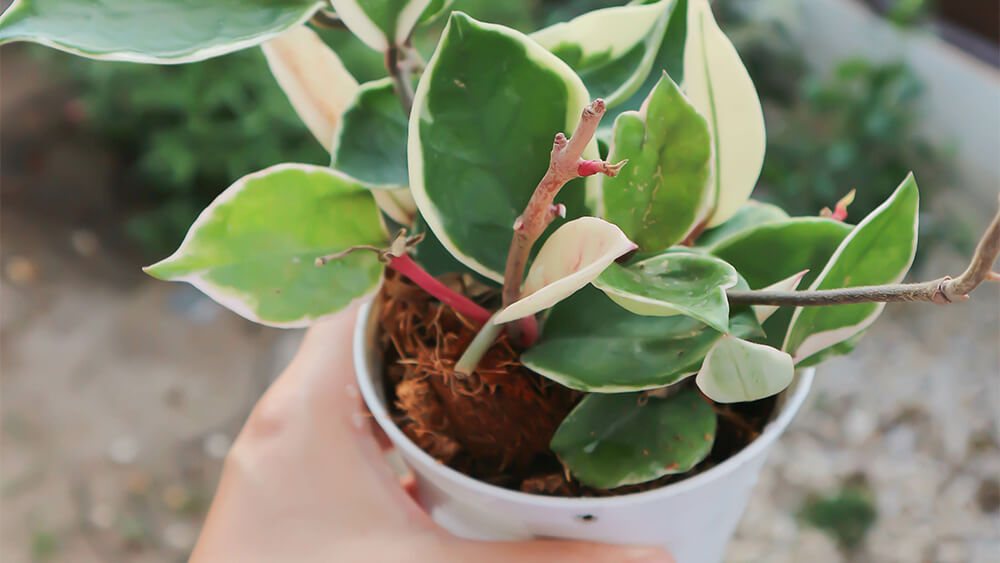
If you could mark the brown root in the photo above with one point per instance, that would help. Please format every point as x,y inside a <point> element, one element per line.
<point>495,421</point>
<point>496,424</point>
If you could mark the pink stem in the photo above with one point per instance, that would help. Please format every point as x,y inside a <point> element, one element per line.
<point>529,330</point>
<point>463,305</point>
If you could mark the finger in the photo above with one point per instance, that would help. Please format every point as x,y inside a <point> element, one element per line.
<point>551,551</point>
<point>409,484</point>
<point>381,438</point>
<point>311,431</point>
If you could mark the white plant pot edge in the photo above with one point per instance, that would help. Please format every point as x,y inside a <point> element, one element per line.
<point>454,498</point>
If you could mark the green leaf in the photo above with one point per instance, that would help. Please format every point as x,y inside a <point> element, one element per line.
<point>253,248</point>
<point>432,255</point>
<point>752,214</point>
<point>669,58</point>
<point>572,257</point>
<point>608,441</point>
<point>370,142</point>
<point>791,283</point>
<point>771,252</point>
<point>667,188</point>
<point>718,84</point>
<point>151,31</point>
<point>613,50</point>
<point>673,283</point>
<point>380,23</point>
<point>397,204</point>
<point>435,10</point>
<point>484,116</point>
<point>311,74</point>
<point>591,344</point>
<point>839,349</point>
<point>736,370</point>
<point>878,251</point>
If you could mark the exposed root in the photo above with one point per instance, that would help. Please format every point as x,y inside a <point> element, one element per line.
<point>494,420</point>
<point>495,424</point>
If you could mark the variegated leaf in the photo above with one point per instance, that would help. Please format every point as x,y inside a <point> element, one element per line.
<point>609,441</point>
<point>879,250</point>
<point>152,31</point>
<point>573,256</point>
<point>613,50</point>
<point>380,23</point>
<point>253,248</point>
<point>763,312</point>
<point>471,183</point>
<point>737,370</point>
<point>673,283</point>
<point>667,187</point>
<point>313,78</point>
<point>718,84</point>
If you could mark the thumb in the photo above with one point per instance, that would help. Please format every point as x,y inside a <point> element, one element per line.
<point>551,551</point>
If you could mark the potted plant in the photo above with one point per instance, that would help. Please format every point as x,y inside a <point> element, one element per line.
<point>586,336</point>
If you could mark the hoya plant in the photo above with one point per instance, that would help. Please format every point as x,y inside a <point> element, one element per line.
<point>589,184</point>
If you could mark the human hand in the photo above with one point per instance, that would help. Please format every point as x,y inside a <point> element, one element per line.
<point>306,480</point>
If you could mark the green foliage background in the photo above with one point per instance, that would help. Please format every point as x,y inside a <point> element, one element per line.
<point>187,131</point>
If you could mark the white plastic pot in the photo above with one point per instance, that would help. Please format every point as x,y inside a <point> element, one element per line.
<point>694,518</point>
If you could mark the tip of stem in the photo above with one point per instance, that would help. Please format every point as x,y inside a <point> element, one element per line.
<point>612,170</point>
<point>595,107</point>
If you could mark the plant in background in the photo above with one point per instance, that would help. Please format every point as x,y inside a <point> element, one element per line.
<point>186,131</point>
<point>856,128</point>
<point>643,278</point>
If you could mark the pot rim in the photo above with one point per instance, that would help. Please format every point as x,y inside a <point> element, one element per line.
<point>776,427</point>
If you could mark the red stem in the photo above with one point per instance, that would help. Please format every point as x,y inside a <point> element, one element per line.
<point>463,305</point>
<point>529,330</point>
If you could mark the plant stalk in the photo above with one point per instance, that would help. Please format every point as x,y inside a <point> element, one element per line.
<point>460,303</point>
<point>396,258</point>
<point>564,164</point>
<point>396,66</point>
<point>941,291</point>
<point>478,348</point>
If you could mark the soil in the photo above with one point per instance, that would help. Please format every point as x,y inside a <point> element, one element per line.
<point>496,423</point>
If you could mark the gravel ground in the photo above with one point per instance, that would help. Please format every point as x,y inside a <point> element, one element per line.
<point>914,412</point>
<point>120,396</point>
<point>119,401</point>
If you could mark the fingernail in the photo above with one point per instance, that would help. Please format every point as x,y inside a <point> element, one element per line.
<point>648,555</point>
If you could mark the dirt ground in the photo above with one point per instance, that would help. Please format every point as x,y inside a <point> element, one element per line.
<point>119,394</point>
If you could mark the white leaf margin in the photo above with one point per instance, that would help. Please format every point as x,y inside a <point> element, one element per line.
<point>615,29</point>
<point>314,79</point>
<point>579,98</point>
<point>734,113</point>
<point>357,20</point>
<point>227,296</point>
<point>550,279</point>
<point>647,306</point>
<point>791,283</point>
<point>823,340</point>
<point>136,57</point>
<point>708,197</point>
<point>760,370</point>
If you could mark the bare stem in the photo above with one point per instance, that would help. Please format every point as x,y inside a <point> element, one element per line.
<point>941,291</point>
<point>400,74</point>
<point>460,303</point>
<point>397,259</point>
<point>327,20</point>
<point>565,164</point>
<point>478,348</point>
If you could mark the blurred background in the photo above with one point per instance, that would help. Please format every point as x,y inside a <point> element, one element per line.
<point>120,395</point>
